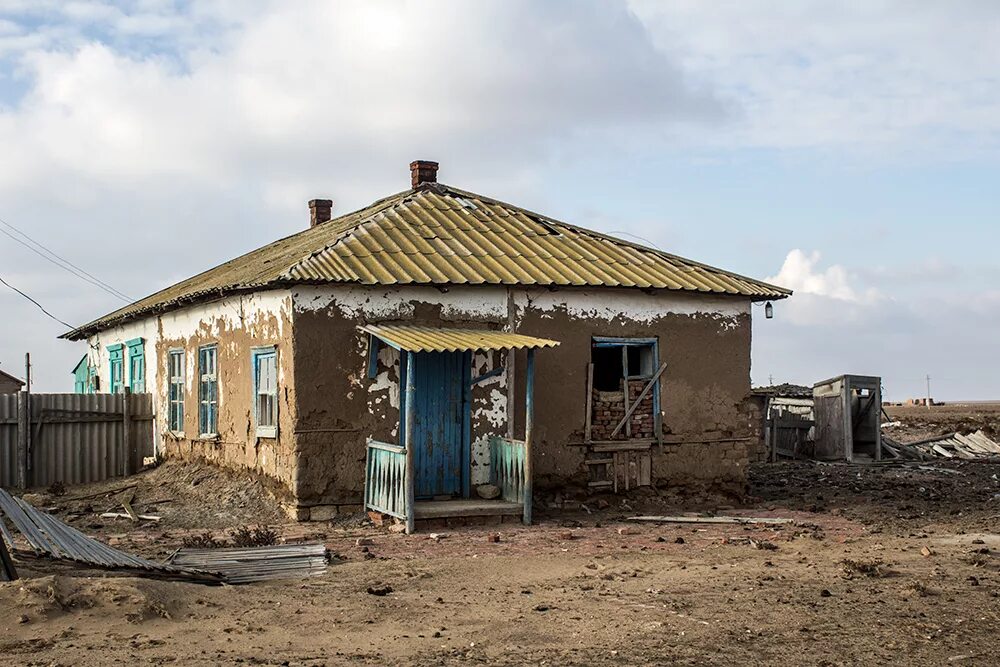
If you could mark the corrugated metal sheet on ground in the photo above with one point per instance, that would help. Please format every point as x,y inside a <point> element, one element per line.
<point>48,536</point>
<point>241,566</point>
<point>431,339</point>
<point>438,235</point>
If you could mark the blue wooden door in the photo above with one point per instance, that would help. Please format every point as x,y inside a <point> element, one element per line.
<point>440,459</point>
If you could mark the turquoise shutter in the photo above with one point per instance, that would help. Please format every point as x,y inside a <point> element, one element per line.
<point>136,366</point>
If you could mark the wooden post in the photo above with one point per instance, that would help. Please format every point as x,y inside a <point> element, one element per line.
<point>126,432</point>
<point>590,403</point>
<point>529,422</point>
<point>628,422</point>
<point>411,411</point>
<point>23,429</point>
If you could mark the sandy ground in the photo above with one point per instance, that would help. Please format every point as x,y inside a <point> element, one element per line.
<point>896,564</point>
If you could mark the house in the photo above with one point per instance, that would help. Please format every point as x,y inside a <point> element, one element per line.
<point>10,384</point>
<point>406,354</point>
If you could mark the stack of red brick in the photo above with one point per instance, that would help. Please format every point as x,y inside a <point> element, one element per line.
<point>609,409</point>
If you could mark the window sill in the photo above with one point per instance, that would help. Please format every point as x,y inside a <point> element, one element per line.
<point>208,437</point>
<point>270,434</point>
<point>176,435</point>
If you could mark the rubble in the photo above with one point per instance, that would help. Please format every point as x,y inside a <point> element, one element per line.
<point>955,445</point>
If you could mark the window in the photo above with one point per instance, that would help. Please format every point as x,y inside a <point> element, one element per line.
<point>265,384</point>
<point>617,358</point>
<point>208,391</point>
<point>136,366</point>
<point>625,394</point>
<point>175,399</point>
<point>115,361</point>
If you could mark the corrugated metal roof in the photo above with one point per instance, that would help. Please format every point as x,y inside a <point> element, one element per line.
<point>436,234</point>
<point>430,339</point>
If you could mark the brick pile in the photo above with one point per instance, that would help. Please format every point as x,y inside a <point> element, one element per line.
<point>609,409</point>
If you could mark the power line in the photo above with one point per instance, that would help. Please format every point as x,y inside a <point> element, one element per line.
<point>63,263</point>
<point>40,306</point>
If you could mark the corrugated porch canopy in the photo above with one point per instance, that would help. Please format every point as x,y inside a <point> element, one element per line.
<point>430,339</point>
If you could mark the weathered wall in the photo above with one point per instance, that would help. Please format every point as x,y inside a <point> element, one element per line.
<point>704,340</point>
<point>235,324</point>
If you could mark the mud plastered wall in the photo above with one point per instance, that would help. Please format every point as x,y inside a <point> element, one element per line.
<point>704,340</point>
<point>235,325</point>
<point>340,407</point>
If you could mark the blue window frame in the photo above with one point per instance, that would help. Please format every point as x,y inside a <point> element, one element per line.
<point>208,390</point>
<point>116,362</point>
<point>175,398</point>
<point>136,366</point>
<point>265,391</point>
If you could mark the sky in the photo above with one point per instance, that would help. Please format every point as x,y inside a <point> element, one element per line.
<point>849,151</point>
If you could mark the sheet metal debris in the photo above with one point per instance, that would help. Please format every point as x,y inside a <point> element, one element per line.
<point>241,566</point>
<point>49,537</point>
<point>954,446</point>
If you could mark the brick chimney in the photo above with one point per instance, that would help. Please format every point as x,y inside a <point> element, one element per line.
<point>423,171</point>
<point>320,210</point>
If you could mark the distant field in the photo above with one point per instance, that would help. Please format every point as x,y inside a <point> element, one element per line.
<point>918,422</point>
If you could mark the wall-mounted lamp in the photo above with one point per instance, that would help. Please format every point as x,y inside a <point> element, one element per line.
<point>768,310</point>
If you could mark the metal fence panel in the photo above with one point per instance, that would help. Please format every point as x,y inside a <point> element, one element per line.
<point>75,438</point>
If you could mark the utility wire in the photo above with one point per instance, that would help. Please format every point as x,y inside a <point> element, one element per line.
<point>63,263</point>
<point>40,306</point>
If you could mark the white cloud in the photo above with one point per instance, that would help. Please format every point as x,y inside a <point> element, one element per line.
<point>801,272</point>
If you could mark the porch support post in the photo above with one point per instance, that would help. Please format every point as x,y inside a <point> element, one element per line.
<point>411,406</point>
<point>529,421</point>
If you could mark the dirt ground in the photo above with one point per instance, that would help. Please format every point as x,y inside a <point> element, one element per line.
<point>889,564</point>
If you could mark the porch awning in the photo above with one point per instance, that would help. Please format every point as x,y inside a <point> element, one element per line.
<point>430,339</point>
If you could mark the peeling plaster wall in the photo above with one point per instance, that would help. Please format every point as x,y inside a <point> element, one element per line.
<point>704,339</point>
<point>235,324</point>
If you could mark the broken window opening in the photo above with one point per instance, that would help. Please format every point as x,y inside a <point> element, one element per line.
<point>620,363</point>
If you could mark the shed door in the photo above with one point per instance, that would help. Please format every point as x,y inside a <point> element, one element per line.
<point>438,428</point>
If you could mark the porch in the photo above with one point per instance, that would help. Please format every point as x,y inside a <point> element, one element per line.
<point>428,473</point>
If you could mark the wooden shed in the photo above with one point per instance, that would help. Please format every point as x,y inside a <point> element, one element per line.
<point>848,412</point>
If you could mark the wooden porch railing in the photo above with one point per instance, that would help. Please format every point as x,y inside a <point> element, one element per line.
<point>507,469</point>
<point>385,479</point>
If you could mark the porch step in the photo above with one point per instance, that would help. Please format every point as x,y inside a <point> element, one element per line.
<point>443,509</point>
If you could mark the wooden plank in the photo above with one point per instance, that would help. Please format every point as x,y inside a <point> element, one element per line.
<point>645,390</point>
<point>410,441</point>
<point>739,520</point>
<point>590,401</point>
<point>442,509</point>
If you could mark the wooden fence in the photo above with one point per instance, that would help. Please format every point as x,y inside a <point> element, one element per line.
<point>72,438</point>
